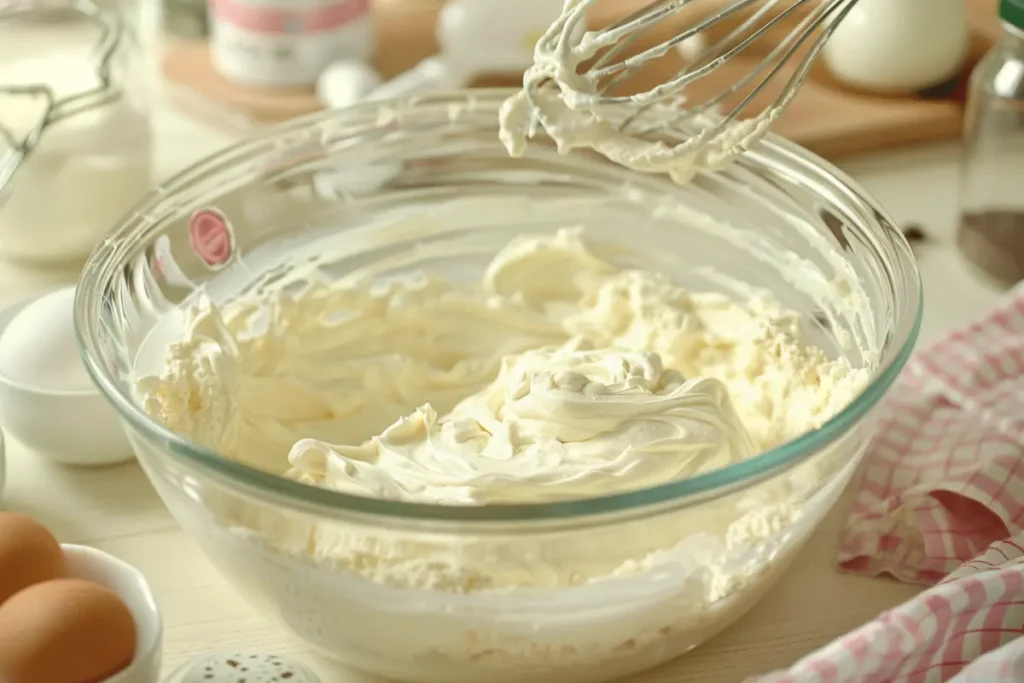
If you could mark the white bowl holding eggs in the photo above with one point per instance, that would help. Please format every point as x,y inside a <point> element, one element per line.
<point>131,586</point>
<point>47,399</point>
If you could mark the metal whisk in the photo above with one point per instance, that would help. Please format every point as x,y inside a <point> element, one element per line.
<point>582,69</point>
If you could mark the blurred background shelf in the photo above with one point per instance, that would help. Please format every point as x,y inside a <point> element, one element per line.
<point>827,117</point>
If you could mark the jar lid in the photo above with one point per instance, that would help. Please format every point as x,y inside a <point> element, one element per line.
<point>1012,12</point>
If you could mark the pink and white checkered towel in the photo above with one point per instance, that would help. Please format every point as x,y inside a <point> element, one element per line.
<point>941,499</point>
<point>945,476</point>
<point>964,630</point>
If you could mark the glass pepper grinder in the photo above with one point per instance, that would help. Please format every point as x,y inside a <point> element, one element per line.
<point>991,231</point>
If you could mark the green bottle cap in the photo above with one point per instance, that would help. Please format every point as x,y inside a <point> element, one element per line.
<point>1012,12</point>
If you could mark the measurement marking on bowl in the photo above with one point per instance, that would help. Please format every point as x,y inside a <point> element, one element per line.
<point>211,237</point>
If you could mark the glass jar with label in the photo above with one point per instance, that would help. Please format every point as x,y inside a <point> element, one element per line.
<point>287,43</point>
<point>991,232</point>
<point>75,139</point>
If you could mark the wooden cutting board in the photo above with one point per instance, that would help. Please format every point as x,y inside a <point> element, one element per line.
<point>826,116</point>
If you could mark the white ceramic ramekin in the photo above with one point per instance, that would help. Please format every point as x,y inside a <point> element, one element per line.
<point>129,583</point>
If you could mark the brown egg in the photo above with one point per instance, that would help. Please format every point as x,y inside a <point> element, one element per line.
<point>29,554</point>
<point>64,631</point>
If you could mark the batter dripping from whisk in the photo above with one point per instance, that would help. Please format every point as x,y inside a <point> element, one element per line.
<point>574,108</point>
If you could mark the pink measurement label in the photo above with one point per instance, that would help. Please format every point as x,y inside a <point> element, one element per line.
<point>211,237</point>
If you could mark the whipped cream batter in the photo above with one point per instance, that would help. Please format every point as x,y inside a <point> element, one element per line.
<point>562,97</point>
<point>556,424</point>
<point>557,377</point>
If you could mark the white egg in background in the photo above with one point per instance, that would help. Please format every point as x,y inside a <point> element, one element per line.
<point>38,348</point>
<point>899,46</point>
<point>48,401</point>
<point>345,83</point>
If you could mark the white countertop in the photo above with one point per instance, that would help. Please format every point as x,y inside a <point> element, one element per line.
<point>115,509</point>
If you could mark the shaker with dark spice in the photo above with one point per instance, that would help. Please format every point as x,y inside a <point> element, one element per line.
<point>991,231</point>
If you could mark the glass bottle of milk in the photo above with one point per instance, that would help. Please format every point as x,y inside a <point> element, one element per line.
<point>86,169</point>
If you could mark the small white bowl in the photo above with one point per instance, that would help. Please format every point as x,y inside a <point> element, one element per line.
<point>71,427</point>
<point>129,583</point>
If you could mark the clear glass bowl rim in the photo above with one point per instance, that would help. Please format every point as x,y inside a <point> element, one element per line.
<point>103,264</point>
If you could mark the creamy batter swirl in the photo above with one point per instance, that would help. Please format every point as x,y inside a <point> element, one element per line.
<point>556,424</point>
<point>558,377</point>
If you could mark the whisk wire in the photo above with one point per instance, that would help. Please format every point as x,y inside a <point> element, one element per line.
<point>717,49</point>
<point>662,49</point>
<point>572,89</point>
<point>712,58</point>
<point>750,31</point>
<point>804,68</point>
<point>778,58</point>
<point>705,57</point>
<point>619,47</point>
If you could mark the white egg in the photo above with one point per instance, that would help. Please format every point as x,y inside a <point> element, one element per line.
<point>47,399</point>
<point>345,83</point>
<point>897,46</point>
<point>38,348</point>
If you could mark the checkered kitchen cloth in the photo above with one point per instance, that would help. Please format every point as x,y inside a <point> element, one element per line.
<point>941,499</point>
<point>964,630</point>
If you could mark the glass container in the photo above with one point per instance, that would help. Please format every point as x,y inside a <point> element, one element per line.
<point>285,44</point>
<point>991,231</point>
<point>408,590</point>
<point>184,19</point>
<point>73,102</point>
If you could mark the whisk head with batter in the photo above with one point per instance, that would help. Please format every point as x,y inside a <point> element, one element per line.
<point>573,90</point>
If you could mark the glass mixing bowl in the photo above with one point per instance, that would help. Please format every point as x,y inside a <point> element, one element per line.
<point>408,590</point>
